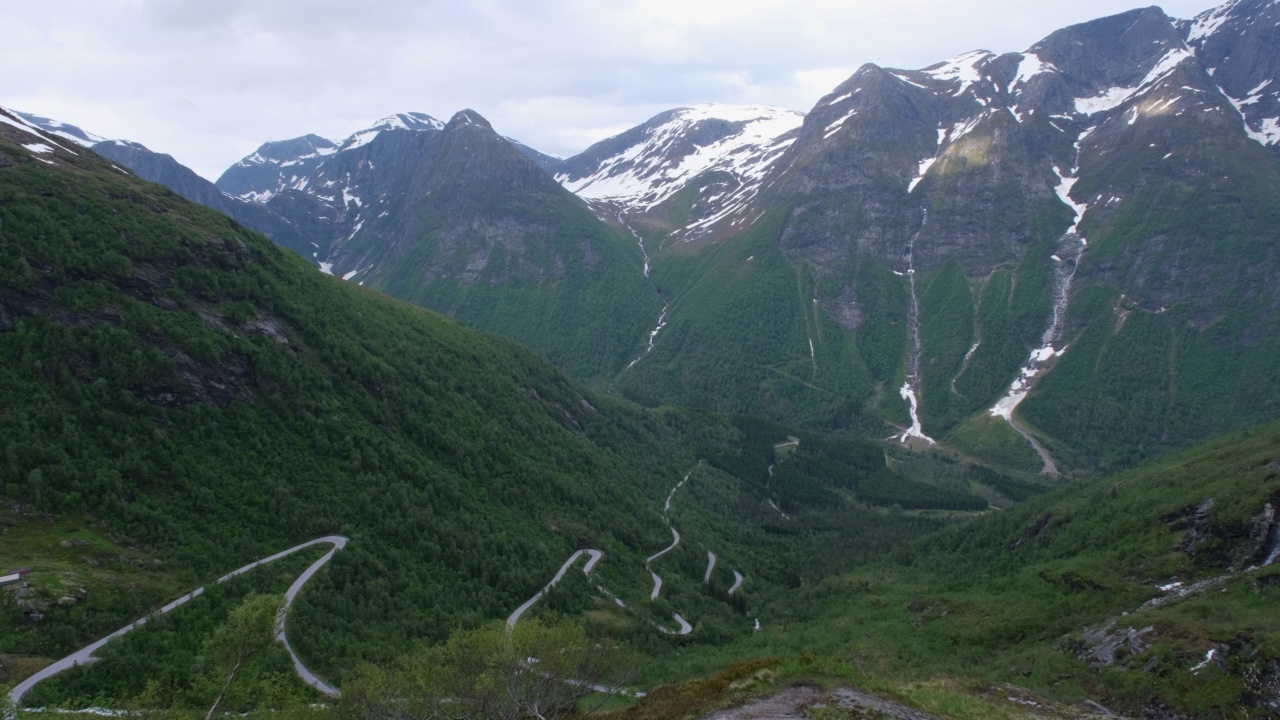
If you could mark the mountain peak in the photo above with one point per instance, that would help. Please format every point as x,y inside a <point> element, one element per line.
<point>468,117</point>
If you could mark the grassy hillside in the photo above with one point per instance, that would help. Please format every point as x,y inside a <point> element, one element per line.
<point>1063,595</point>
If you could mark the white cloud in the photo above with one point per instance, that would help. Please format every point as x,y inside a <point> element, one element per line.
<point>210,80</point>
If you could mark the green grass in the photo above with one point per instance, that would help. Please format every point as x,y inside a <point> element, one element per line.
<point>1003,599</point>
<point>992,440</point>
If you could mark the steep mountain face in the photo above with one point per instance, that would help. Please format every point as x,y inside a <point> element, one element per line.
<point>481,232</point>
<point>276,166</point>
<point>1059,258</point>
<point>688,168</point>
<point>937,245</point>
<point>329,189</point>
<point>1236,44</point>
<point>457,218</point>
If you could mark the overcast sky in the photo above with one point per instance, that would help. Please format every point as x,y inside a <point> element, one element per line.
<point>209,80</point>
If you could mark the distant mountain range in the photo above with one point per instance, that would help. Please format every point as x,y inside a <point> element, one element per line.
<point>1063,256</point>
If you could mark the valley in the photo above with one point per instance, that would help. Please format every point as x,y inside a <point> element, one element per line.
<point>952,397</point>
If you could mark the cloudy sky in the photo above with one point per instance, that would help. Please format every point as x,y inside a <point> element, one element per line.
<point>209,80</point>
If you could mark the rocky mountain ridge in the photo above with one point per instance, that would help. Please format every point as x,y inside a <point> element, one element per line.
<point>726,150</point>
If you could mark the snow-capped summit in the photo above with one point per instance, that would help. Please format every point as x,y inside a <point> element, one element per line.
<point>727,148</point>
<point>414,121</point>
<point>282,164</point>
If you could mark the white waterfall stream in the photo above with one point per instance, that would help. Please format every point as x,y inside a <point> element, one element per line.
<point>910,390</point>
<point>1071,247</point>
<point>662,317</point>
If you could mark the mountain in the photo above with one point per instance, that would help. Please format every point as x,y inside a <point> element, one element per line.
<point>218,397</point>
<point>454,217</point>
<point>278,165</point>
<point>1064,256</point>
<point>653,168</point>
<point>182,396</point>
<point>1236,43</point>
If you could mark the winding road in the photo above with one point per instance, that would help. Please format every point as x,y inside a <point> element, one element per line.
<point>657,581</point>
<point>84,656</point>
<point>737,582</point>
<point>586,570</point>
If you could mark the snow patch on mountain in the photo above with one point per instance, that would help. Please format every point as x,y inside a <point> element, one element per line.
<point>30,128</point>
<point>399,121</point>
<point>1063,189</point>
<point>63,130</point>
<point>964,127</point>
<point>831,129</point>
<point>924,168</point>
<point>1207,22</point>
<point>1022,384</point>
<point>906,79</point>
<point>1268,130</point>
<point>1029,67</point>
<point>962,68</point>
<point>1115,96</point>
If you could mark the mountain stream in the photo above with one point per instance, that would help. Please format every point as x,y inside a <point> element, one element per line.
<point>1071,247</point>
<point>910,390</point>
<point>662,317</point>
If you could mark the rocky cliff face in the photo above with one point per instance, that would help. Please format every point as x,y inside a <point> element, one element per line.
<point>1001,151</point>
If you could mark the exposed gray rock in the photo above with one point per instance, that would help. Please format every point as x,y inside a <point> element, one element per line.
<point>1264,537</point>
<point>1100,645</point>
<point>1199,526</point>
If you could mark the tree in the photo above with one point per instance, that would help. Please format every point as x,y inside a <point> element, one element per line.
<point>538,670</point>
<point>249,629</point>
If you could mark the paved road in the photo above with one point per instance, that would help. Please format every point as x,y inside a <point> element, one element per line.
<point>737,582</point>
<point>339,542</point>
<point>84,656</point>
<point>586,570</point>
<point>657,581</point>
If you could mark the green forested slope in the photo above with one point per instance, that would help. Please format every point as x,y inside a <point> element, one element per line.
<point>1013,597</point>
<point>197,389</point>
